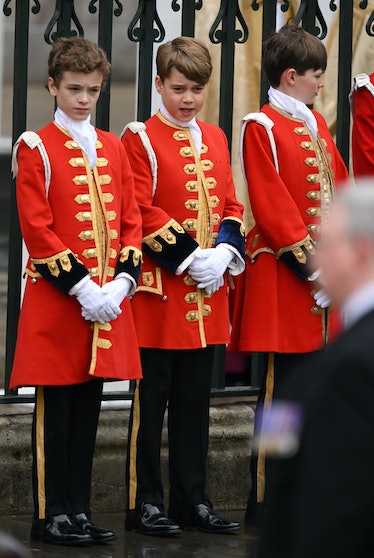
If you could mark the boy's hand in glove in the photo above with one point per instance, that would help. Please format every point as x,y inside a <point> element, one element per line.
<point>97,306</point>
<point>118,289</point>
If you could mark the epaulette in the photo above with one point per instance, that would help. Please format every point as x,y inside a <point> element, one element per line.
<point>140,129</point>
<point>267,123</point>
<point>33,140</point>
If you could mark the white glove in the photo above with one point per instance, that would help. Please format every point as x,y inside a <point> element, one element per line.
<point>215,285</point>
<point>118,289</point>
<point>206,270</point>
<point>96,305</point>
<point>322,299</point>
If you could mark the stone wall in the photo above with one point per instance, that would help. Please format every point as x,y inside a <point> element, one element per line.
<point>228,479</point>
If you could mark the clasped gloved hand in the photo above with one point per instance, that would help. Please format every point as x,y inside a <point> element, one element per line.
<point>209,266</point>
<point>322,298</point>
<point>118,289</point>
<point>97,306</point>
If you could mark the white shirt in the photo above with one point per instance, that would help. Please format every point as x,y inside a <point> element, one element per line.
<point>360,302</point>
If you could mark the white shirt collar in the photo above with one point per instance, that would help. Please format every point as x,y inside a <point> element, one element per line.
<point>296,108</point>
<point>360,302</point>
<point>191,124</point>
<point>82,132</point>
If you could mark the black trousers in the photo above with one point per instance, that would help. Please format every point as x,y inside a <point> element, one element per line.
<point>278,369</point>
<point>180,379</point>
<point>63,440</point>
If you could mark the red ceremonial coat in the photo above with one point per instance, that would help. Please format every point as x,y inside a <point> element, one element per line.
<point>193,202</point>
<point>273,306</point>
<point>87,223</point>
<point>362,105</point>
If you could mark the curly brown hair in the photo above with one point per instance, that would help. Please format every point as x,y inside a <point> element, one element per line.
<point>76,54</point>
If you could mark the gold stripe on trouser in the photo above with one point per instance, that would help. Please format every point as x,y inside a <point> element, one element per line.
<point>269,390</point>
<point>40,451</point>
<point>133,477</point>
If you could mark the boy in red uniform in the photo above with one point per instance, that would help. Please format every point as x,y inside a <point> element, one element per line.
<point>82,228</point>
<point>362,106</point>
<point>193,238</point>
<point>291,165</point>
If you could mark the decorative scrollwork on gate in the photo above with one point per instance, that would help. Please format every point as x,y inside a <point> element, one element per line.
<point>217,35</point>
<point>7,10</point>
<point>137,34</point>
<point>117,11</point>
<point>176,7</point>
<point>320,29</point>
<point>285,5</point>
<point>49,35</point>
<point>370,22</point>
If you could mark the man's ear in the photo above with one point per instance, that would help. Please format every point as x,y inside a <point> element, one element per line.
<point>159,85</point>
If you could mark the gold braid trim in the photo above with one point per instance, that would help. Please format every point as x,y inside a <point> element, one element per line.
<point>137,256</point>
<point>51,262</point>
<point>297,251</point>
<point>165,233</point>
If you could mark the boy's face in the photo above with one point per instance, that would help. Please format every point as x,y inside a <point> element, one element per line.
<point>182,98</point>
<point>306,87</point>
<point>77,93</point>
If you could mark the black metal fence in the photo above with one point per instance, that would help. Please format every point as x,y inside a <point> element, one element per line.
<point>146,28</point>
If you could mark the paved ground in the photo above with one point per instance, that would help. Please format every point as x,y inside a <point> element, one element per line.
<point>242,544</point>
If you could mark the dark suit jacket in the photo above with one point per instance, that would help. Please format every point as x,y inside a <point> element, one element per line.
<point>320,503</point>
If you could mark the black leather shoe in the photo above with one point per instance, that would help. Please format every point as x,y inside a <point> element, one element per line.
<point>204,518</point>
<point>151,520</point>
<point>60,530</point>
<point>98,534</point>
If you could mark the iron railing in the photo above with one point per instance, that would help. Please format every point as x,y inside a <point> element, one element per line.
<point>146,28</point>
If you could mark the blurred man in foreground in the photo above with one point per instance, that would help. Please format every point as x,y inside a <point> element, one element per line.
<point>320,443</point>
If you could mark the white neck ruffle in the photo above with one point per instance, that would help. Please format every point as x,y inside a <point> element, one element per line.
<point>82,132</point>
<point>296,108</point>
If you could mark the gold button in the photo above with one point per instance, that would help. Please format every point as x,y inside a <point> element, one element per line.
<point>83,179</point>
<point>33,280</point>
<point>179,228</point>
<point>169,237</point>
<point>91,252</point>
<point>164,298</point>
<point>65,261</point>
<point>190,224</point>
<point>53,266</point>
<point>85,198</point>
<point>74,144</point>
<point>193,204</point>
<point>193,315</point>
<point>155,245</point>
<point>93,271</point>
<point>86,216</point>
<point>191,297</point>
<point>315,310</point>
<point>87,234</point>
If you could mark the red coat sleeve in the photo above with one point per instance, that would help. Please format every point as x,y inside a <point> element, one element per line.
<point>363,132</point>
<point>274,210</point>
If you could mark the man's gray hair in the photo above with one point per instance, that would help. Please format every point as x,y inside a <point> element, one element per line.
<point>358,203</point>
